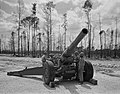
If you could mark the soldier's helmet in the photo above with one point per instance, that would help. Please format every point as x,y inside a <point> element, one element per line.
<point>81,54</point>
<point>76,53</point>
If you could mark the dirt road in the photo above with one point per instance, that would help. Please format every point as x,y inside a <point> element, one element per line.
<point>34,85</point>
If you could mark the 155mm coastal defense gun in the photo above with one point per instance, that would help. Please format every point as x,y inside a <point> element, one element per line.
<point>65,66</point>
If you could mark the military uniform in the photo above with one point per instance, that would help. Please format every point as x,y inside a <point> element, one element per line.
<point>43,58</point>
<point>81,67</point>
<point>76,56</point>
<point>76,60</point>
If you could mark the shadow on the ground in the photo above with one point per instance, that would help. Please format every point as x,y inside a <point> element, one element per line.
<point>87,85</point>
<point>111,74</point>
<point>72,85</point>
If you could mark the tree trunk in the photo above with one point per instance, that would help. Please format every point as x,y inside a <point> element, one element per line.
<point>28,39</point>
<point>21,47</point>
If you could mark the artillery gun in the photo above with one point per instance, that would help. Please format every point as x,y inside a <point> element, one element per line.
<point>65,66</point>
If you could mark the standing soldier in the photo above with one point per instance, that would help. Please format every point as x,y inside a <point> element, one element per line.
<point>44,57</point>
<point>81,67</point>
<point>76,56</point>
<point>76,60</point>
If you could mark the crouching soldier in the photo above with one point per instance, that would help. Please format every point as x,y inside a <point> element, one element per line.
<point>81,68</point>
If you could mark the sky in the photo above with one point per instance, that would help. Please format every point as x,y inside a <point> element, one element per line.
<point>106,10</point>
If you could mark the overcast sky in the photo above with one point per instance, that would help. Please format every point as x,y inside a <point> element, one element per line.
<point>107,9</point>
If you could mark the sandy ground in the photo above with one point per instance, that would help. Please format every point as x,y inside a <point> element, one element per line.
<point>108,81</point>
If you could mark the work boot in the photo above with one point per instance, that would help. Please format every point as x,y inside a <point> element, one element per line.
<point>52,84</point>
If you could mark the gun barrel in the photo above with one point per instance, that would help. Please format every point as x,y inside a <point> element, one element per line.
<point>74,44</point>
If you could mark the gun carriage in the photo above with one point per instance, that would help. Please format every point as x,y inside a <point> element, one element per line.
<point>65,66</point>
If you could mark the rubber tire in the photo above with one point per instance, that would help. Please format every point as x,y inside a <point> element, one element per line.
<point>49,71</point>
<point>89,71</point>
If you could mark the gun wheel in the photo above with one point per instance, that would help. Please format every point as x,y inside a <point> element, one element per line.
<point>49,72</point>
<point>88,74</point>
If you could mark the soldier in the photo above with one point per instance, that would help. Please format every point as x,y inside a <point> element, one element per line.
<point>44,57</point>
<point>81,67</point>
<point>76,56</point>
<point>76,60</point>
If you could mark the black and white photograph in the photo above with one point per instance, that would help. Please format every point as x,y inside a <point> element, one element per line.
<point>59,46</point>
